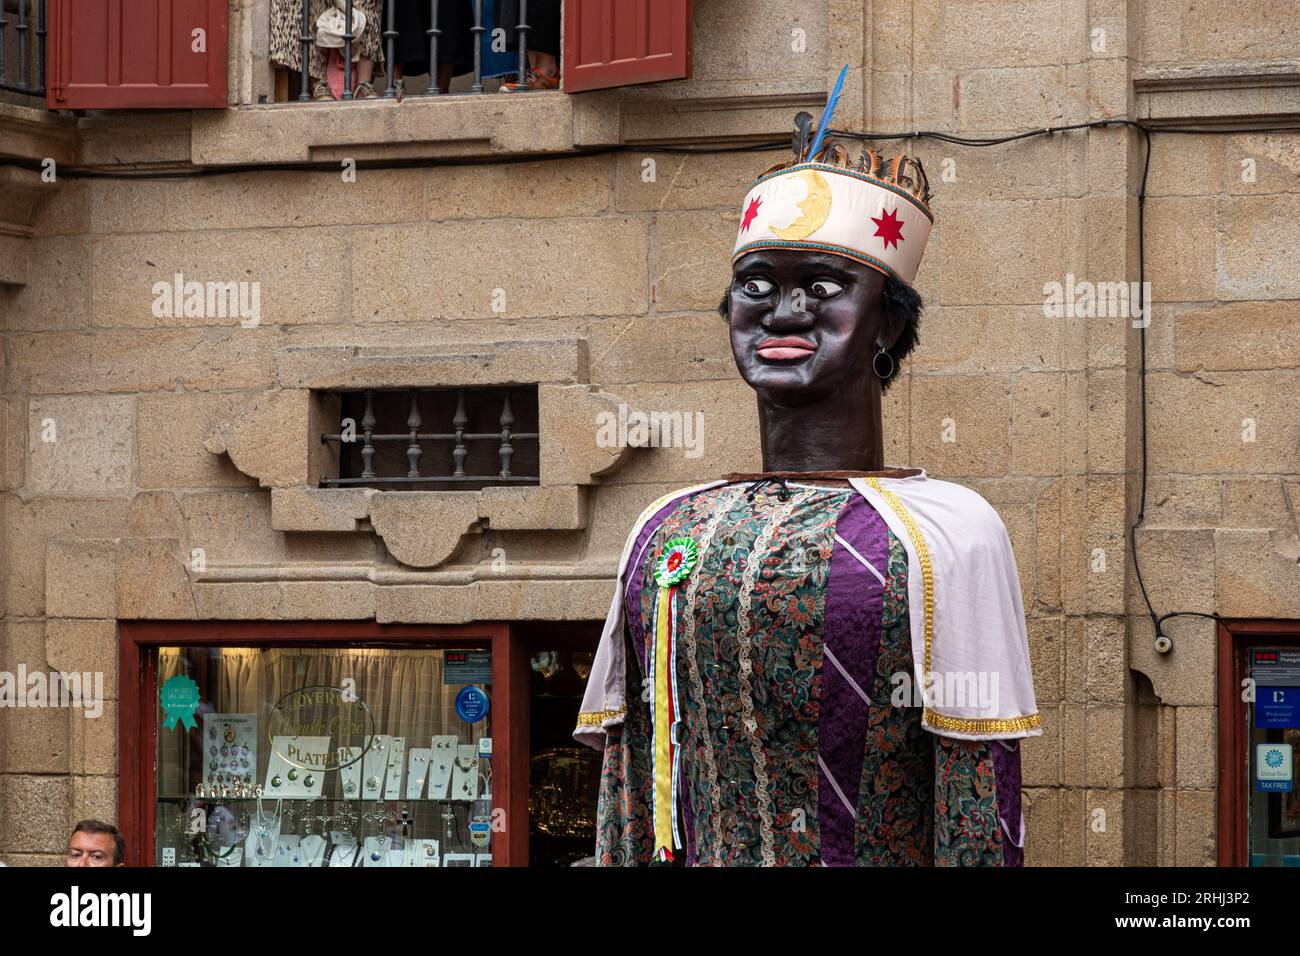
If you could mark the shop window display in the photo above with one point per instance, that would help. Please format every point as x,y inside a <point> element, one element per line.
<point>314,757</point>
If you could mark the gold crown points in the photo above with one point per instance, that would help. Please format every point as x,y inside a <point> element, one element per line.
<point>903,171</point>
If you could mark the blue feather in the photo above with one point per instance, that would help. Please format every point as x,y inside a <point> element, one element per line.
<point>825,124</point>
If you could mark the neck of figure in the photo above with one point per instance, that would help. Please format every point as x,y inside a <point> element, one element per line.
<point>840,432</point>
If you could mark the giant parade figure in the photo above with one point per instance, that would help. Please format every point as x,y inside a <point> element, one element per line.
<point>824,663</point>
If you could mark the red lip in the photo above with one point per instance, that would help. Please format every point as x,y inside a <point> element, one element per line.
<point>785,349</point>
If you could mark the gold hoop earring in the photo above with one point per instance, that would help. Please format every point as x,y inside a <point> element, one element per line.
<point>875,365</point>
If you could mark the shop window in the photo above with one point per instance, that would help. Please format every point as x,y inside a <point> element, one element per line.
<point>367,746</point>
<point>1259,740</point>
<point>564,776</point>
<point>435,439</point>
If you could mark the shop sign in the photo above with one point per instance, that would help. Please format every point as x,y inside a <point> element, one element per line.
<point>467,667</point>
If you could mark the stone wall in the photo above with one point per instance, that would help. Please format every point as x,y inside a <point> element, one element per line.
<point>1040,414</point>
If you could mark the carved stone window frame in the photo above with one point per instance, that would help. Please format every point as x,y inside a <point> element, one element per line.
<point>275,438</point>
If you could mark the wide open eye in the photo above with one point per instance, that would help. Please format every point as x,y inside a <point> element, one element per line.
<point>757,287</point>
<point>825,288</point>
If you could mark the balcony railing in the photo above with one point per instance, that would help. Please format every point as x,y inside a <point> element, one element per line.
<point>478,437</point>
<point>390,35</point>
<point>22,46</point>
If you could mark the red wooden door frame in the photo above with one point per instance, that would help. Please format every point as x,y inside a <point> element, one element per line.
<point>138,709</point>
<point>1234,754</point>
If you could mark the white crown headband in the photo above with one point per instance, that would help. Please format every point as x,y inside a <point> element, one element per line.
<point>875,214</point>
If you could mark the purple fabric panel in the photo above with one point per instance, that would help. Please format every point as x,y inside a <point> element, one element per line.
<point>1006,777</point>
<point>851,631</point>
<point>635,576</point>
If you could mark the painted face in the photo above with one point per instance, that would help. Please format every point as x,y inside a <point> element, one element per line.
<point>804,324</point>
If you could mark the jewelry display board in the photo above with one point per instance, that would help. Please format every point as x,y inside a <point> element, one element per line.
<point>383,778</point>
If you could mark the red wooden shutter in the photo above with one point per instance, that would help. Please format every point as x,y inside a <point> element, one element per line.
<point>129,54</point>
<point>622,42</point>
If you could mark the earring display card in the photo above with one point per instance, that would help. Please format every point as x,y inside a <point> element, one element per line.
<point>464,781</point>
<point>440,765</point>
<point>288,851</point>
<point>297,766</point>
<point>418,771</point>
<point>396,764</point>
<point>375,767</point>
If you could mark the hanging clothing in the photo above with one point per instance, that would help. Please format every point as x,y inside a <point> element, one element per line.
<point>455,40</point>
<point>762,706</point>
<point>543,23</point>
<point>286,33</point>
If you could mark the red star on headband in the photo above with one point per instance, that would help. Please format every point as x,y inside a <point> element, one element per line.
<point>889,228</point>
<point>751,212</point>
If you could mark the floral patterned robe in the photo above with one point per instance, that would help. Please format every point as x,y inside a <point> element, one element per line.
<point>793,634</point>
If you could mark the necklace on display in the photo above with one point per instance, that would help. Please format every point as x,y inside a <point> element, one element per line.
<point>312,857</point>
<point>344,855</point>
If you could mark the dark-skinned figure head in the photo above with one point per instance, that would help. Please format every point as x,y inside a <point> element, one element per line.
<point>826,251</point>
<point>805,324</point>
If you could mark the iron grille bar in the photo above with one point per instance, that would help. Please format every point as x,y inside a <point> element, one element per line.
<point>428,479</point>
<point>22,83</point>
<point>305,39</point>
<point>521,34</point>
<point>477,30</point>
<point>390,49</point>
<point>433,436</point>
<point>22,41</point>
<point>347,53</point>
<point>434,34</point>
<point>372,451</point>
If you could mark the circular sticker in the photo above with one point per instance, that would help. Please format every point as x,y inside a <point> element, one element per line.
<point>471,704</point>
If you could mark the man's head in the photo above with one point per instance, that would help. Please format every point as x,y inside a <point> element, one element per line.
<point>805,324</point>
<point>95,843</point>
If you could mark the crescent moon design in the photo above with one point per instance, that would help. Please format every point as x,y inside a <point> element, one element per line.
<point>815,207</point>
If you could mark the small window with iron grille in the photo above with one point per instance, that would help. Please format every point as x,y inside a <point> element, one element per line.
<point>431,439</point>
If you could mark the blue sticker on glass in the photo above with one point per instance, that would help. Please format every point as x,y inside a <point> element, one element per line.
<point>1277,707</point>
<point>471,704</point>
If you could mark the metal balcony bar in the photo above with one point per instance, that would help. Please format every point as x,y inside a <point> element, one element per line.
<point>23,83</point>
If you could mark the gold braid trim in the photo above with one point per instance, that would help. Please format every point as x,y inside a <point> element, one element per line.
<point>594,718</point>
<point>922,557</point>
<point>978,725</point>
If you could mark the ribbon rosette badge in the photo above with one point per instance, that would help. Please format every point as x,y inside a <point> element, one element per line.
<point>676,562</point>
<point>180,699</point>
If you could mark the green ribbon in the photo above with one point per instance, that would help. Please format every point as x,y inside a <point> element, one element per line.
<point>180,699</point>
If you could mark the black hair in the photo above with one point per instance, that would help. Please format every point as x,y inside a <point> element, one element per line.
<point>99,826</point>
<point>901,301</point>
